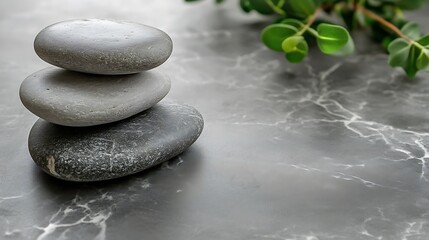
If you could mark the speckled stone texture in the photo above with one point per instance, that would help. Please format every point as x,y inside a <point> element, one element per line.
<point>118,149</point>
<point>103,46</point>
<point>76,99</point>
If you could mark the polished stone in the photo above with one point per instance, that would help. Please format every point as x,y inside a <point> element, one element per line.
<point>103,46</point>
<point>118,149</point>
<point>331,149</point>
<point>75,99</point>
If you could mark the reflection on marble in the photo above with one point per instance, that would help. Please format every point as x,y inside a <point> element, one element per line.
<point>329,149</point>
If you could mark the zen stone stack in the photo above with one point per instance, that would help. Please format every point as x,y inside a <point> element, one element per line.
<point>100,112</point>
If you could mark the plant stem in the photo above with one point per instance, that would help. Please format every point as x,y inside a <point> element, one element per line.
<point>277,8</point>
<point>384,22</point>
<point>310,21</point>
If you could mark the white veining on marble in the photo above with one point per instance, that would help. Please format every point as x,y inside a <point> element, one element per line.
<point>9,233</point>
<point>288,233</point>
<point>77,212</point>
<point>319,91</point>
<point>356,168</point>
<point>10,197</point>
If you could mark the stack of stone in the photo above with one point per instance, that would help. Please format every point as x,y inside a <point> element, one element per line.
<point>100,116</point>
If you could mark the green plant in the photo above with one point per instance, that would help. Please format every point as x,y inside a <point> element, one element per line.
<point>298,21</point>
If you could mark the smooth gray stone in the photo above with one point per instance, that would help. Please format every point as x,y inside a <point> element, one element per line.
<point>118,149</point>
<point>103,46</point>
<point>77,99</point>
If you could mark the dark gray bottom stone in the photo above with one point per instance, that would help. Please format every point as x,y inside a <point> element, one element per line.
<point>117,149</point>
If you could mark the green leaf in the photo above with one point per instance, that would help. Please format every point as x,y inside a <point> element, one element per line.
<point>410,56</point>
<point>398,53</point>
<point>411,67</point>
<point>289,36</point>
<point>422,62</point>
<point>334,40</point>
<point>302,8</point>
<point>411,30</point>
<point>410,4</point>
<point>389,11</point>
<point>245,5</point>
<point>296,48</point>
<point>424,41</point>
<point>404,4</point>
<point>274,35</point>
<point>261,6</point>
<point>293,22</point>
<point>386,41</point>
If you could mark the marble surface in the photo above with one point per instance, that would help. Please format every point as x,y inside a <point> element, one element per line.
<point>329,149</point>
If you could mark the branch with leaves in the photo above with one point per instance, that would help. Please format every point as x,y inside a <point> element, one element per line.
<point>298,22</point>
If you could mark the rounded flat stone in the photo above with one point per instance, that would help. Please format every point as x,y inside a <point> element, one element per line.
<point>103,46</point>
<point>77,99</point>
<point>117,149</point>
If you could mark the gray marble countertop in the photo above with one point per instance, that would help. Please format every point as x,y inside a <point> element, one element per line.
<point>328,149</point>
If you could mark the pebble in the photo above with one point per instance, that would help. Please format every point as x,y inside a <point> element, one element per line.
<point>118,149</point>
<point>103,47</point>
<point>77,99</point>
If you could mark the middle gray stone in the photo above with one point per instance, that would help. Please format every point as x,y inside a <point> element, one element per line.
<point>75,99</point>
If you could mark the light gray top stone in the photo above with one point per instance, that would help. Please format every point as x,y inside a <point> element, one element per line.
<point>103,46</point>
